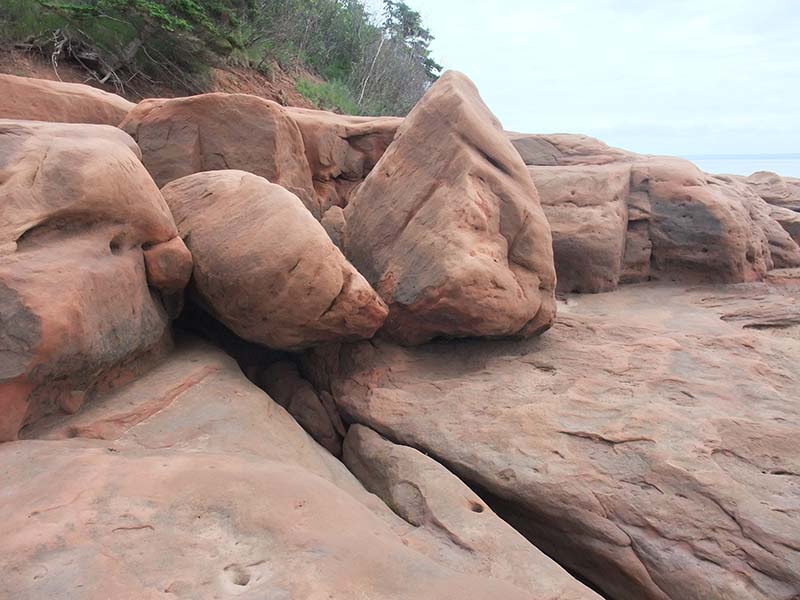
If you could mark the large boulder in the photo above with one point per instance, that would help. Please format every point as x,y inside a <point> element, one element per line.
<point>682,224</point>
<point>700,231</point>
<point>777,190</point>
<point>342,150</point>
<point>588,215</point>
<point>181,136</point>
<point>265,267</point>
<point>647,443</point>
<point>192,483</point>
<point>448,228</point>
<point>90,263</point>
<point>43,100</point>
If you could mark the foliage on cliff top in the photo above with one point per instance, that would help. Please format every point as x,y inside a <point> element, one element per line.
<point>372,63</point>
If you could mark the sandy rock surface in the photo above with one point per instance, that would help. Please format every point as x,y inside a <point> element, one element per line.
<point>43,100</point>
<point>192,483</point>
<point>181,136</point>
<point>647,442</point>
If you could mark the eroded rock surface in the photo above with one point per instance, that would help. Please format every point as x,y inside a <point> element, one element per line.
<point>647,442</point>
<point>588,215</point>
<point>90,265</point>
<point>682,224</point>
<point>181,136</point>
<point>192,483</point>
<point>448,228</point>
<point>777,190</point>
<point>315,412</point>
<point>265,267</point>
<point>428,496</point>
<point>342,150</point>
<point>43,100</point>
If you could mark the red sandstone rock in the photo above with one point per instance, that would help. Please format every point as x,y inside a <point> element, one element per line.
<point>192,483</point>
<point>431,498</point>
<point>79,216</point>
<point>265,267</point>
<point>181,136</point>
<point>342,150</point>
<point>682,224</point>
<point>42,100</point>
<point>448,228</point>
<point>647,443</point>
<point>588,215</point>
<point>284,384</point>
<point>777,190</point>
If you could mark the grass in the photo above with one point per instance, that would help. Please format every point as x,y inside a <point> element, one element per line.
<point>329,95</point>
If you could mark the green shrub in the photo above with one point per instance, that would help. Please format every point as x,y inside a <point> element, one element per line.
<point>372,63</point>
<point>334,95</point>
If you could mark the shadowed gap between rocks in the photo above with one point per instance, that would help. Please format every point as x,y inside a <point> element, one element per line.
<point>507,510</point>
<point>254,360</point>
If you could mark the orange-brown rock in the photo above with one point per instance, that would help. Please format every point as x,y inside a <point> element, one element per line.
<point>682,224</point>
<point>430,497</point>
<point>43,100</point>
<point>192,483</point>
<point>448,228</point>
<point>79,220</point>
<point>315,412</point>
<point>586,207</point>
<point>181,136</point>
<point>777,190</point>
<point>265,267</point>
<point>648,442</point>
<point>342,150</point>
<point>565,149</point>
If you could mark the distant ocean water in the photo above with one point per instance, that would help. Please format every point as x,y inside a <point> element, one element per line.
<point>747,164</point>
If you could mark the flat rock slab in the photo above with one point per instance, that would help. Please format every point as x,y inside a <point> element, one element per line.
<point>648,442</point>
<point>192,483</point>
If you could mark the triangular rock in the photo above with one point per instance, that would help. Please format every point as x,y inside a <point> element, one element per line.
<point>448,227</point>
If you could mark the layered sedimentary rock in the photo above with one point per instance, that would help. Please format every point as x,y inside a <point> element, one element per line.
<point>647,442</point>
<point>777,190</point>
<point>342,150</point>
<point>448,228</point>
<point>430,497</point>
<point>181,136</point>
<point>192,483</point>
<point>89,265</point>
<point>588,215</point>
<point>265,267</point>
<point>43,100</point>
<point>315,412</point>
<point>682,224</point>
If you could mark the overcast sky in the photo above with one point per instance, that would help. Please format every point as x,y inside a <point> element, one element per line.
<point>682,77</point>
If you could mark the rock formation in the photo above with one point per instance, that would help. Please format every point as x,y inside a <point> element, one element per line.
<point>428,496</point>
<point>181,136</point>
<point>586,208</point>
<point>342,150</point>
<point>448,229</point>
<point>265,267</point>
<point>42,100</point>
<point>647,442</point>
<point>777,190</point>
<point>645,447</point>
<point>192,483</point>
<point>89,265</point>
<point>682,224</point>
